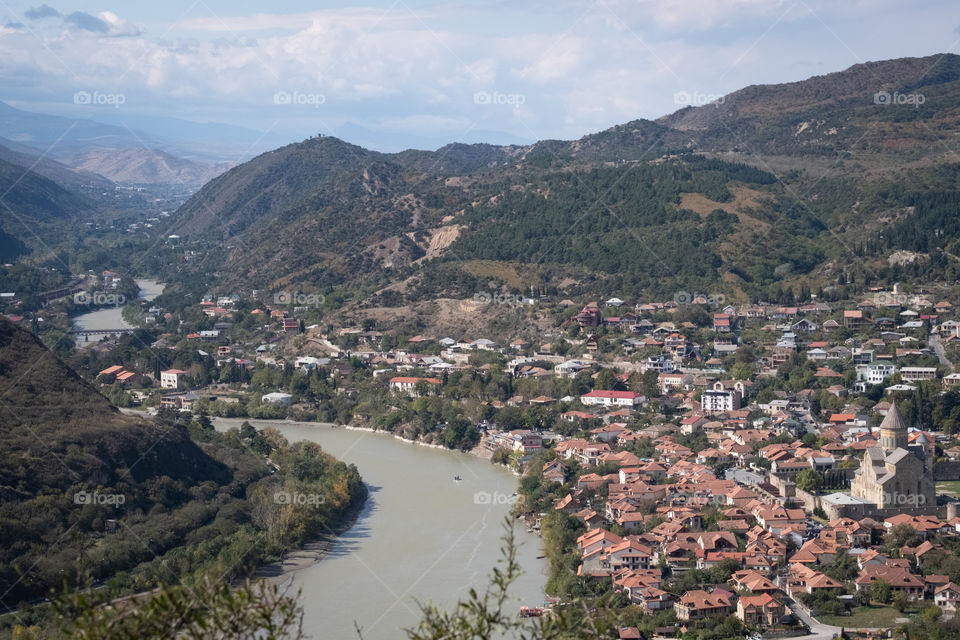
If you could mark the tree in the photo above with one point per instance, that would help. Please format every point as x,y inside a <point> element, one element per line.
<point>650,386</point>
<point>604,380</point>
<point>742,371</point>
<point>844,567</point>
<point>253,438</point>
<point>901,535</point>
<point>809,480</point>
<point>422,388</point>
<point>212,610</point>
<point>880,591</point>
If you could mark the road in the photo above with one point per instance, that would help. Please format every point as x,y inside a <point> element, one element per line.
<point>937,347</point>
<point>818,631</point>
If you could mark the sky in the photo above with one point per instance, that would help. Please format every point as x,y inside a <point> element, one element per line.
<point>409,73</point>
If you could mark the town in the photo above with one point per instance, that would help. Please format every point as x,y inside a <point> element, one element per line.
<point>749,468</point>
<point>470,320</point>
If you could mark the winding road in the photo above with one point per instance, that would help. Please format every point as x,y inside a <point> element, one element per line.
<point>818,631</point>
<point>937,346</point>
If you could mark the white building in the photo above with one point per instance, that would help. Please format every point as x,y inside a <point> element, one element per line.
<point>569,369</point>
<point>278,398</point>
<point>659,363</point>
<point>408,384</point>
<point>309,363</point>
<point>612,398</point>
<point>172,378</point>
<point>875,373</point>
<point>721,399</point>
<point>918,373</point>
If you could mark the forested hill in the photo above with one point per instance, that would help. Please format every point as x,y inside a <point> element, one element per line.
<point>60,438</point>
<point>34,211</point>
<point>804,184</point>
<point>90,494</point>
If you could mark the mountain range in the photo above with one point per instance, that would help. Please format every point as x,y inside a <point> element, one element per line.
<point>76,172</point>
<point>773,187</point>
<point>81,152</point>
<point>809,183</point>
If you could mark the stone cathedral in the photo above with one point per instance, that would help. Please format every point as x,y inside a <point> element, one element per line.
<point>895,474</point>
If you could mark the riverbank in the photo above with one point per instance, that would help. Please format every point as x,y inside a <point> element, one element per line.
<point>111,317</point>
<point>421,537</point>
<point>315,550</point>
<point>480,451</point>
<point>311,552</point>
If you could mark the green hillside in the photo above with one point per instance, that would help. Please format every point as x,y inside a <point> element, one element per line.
<point>89,494</point>
<point>802,185</point>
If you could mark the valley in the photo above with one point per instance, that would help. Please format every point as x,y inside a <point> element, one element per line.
<point>689,376</point>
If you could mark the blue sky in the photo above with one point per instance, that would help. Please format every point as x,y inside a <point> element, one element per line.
<point>409,73</point>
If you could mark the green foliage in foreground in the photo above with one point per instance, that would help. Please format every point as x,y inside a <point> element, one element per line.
<point>212,610</point>
<point>255,610</point>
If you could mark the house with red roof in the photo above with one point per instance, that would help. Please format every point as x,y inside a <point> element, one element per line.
<point>947,597</point>
<point>408,384</point>
<point>698,604</point>
<point>611,398</point>
<point>760,610</point>
<point>899,578</point>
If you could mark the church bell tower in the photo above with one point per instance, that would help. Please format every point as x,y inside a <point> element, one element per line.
<point>893,431</point>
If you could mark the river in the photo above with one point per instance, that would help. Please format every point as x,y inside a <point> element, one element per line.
<point>422,536</point>
<point>112,317</point>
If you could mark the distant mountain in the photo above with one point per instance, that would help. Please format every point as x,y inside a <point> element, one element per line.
<point>33,159</point>
<point>200,141</point>
<point>62,138</point>
<point>147,166</point>
<point>789,185</point>
<point>892,110</point>
<point>122,153</point>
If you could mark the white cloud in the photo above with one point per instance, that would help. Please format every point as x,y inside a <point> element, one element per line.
<point>693,15</point>
<point>116,26</point>
<point>353,18</point>
<point>578,72</point>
